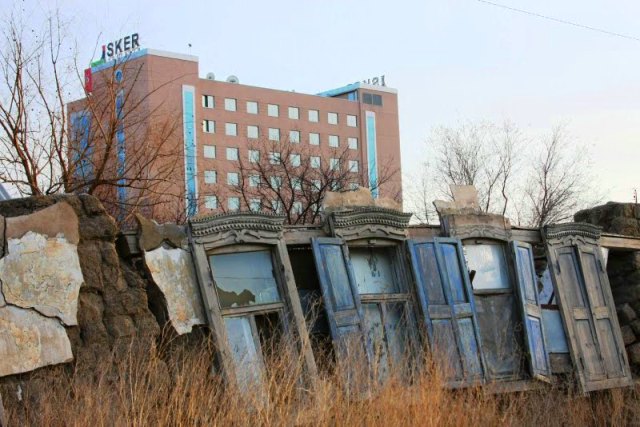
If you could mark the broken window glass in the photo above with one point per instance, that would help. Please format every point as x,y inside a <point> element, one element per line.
<point>490,266</point>
<point>498,314</point>
<point>244,278</point>
<point>244,351</point>
<point>374,270</point>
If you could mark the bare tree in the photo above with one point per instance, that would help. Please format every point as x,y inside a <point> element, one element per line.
<point>558,180</point>
<point>292,178</point>
<point>111,144</point>
<point>484,155</point>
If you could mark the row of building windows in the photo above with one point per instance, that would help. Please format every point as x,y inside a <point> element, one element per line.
<point>273,110</point>
<point>256,205</point>
<point>253,132</point>
<point>275,182</point>
<point>274,158</point>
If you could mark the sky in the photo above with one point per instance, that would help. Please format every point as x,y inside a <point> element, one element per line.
<point>450,60</point>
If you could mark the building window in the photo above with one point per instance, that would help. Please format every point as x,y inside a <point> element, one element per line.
<point>272,110</point>
<point>233,203</point>
<point>230,104</point>
<point>371,98</point>
<point>210,177</point>
<point>274,158</point>
<point>274,134</point>
<point>316,185</point>
<point>296,184</point>
<point>211,202</point>
<point>276,206</point>
<point>354,186</point>
<point>253,132</point>
<point>208,101</point>
<point>296,208</point>
<point>294,159</point>
<point>315,162</point>
<point>233,178</point>
<point>276,182</point>
<point>252,107</point>
<point>335,186</point>
<point>294,113</point>
<point>254,205</point>
<point>332,118</point>
<point>314,138</point>
<point>232,153</point>
<point>334,164</point>
<point>231,129</point>
<point>208,126</point>
<point>254,156</point>
<point>254,180</point>
<point>353,143</point>
<point>294,136</point>
<point>209,151</point>
<point>353,166</point>
<point>352,121</point>
<point>334,141</point>
<point>314,116</point>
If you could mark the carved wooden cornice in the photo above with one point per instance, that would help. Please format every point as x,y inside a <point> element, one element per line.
<point>368,222</point>
<point>475,225</point>
<point>237,227</point>
<point>570,233</point>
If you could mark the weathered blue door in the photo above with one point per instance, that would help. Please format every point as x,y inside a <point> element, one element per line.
<point>341,302</point>
<point>531,311</point>
<point>444,293</point>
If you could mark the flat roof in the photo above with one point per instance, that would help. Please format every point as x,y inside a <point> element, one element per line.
<point>165,54</point>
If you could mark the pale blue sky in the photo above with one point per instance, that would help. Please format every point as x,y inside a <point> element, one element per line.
<point>450,60</point>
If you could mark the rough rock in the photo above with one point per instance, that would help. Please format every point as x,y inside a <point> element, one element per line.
<point>334,200</point>
<point>152,234</point>
<point>634,353</point>
<point>59,219</point>
<point>172,271</point>
<point>635,325</point>
<point>626,314</point>
<point>388,203</point>
<point>627,335</point>
<point>29,341</point>
<point>3,421</point>
<point>44,274</point>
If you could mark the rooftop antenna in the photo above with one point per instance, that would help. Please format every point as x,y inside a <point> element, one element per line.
<point>189,48</point>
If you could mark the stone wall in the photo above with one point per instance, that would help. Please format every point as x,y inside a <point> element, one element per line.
<point>86,315</point>
<point>623,269</point>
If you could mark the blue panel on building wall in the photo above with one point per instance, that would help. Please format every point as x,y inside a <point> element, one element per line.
<point>121,150</point>
<point>372,153</point>
<point>80,128</point>
<point>188,120</point>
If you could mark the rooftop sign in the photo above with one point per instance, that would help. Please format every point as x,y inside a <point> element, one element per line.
<point>118,48</point>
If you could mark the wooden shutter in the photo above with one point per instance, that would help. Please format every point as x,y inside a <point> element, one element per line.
<point>588,313</point>
<point>341,298</point>
<point>444,293</point>
<point>531,311</point>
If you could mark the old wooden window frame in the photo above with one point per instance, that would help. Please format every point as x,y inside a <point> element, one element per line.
<point>574,239</point>
<point>239,233</point>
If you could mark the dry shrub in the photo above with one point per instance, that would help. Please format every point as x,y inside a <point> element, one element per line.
<point>175,385</point>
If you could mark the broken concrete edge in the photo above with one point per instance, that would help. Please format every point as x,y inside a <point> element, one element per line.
<point>151,234</point>
<point>32,277</point>
<point>53,221</point>
<point>38,341</point>
<point>173,272</point>
<point>361,197</point>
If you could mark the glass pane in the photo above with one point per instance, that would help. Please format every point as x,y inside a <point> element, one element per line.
<point>373,270</point>
<point>244,278</point>
<point>490,265</point>
<point>244,352</point>
<point>374,330</point>
<point>456,281</point>
<point>397,331</point>
<point>546,292</point>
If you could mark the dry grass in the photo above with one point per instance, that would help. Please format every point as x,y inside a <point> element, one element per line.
<point>179,389</point>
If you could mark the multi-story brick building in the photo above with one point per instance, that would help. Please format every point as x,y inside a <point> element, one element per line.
<point>219,122</point>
